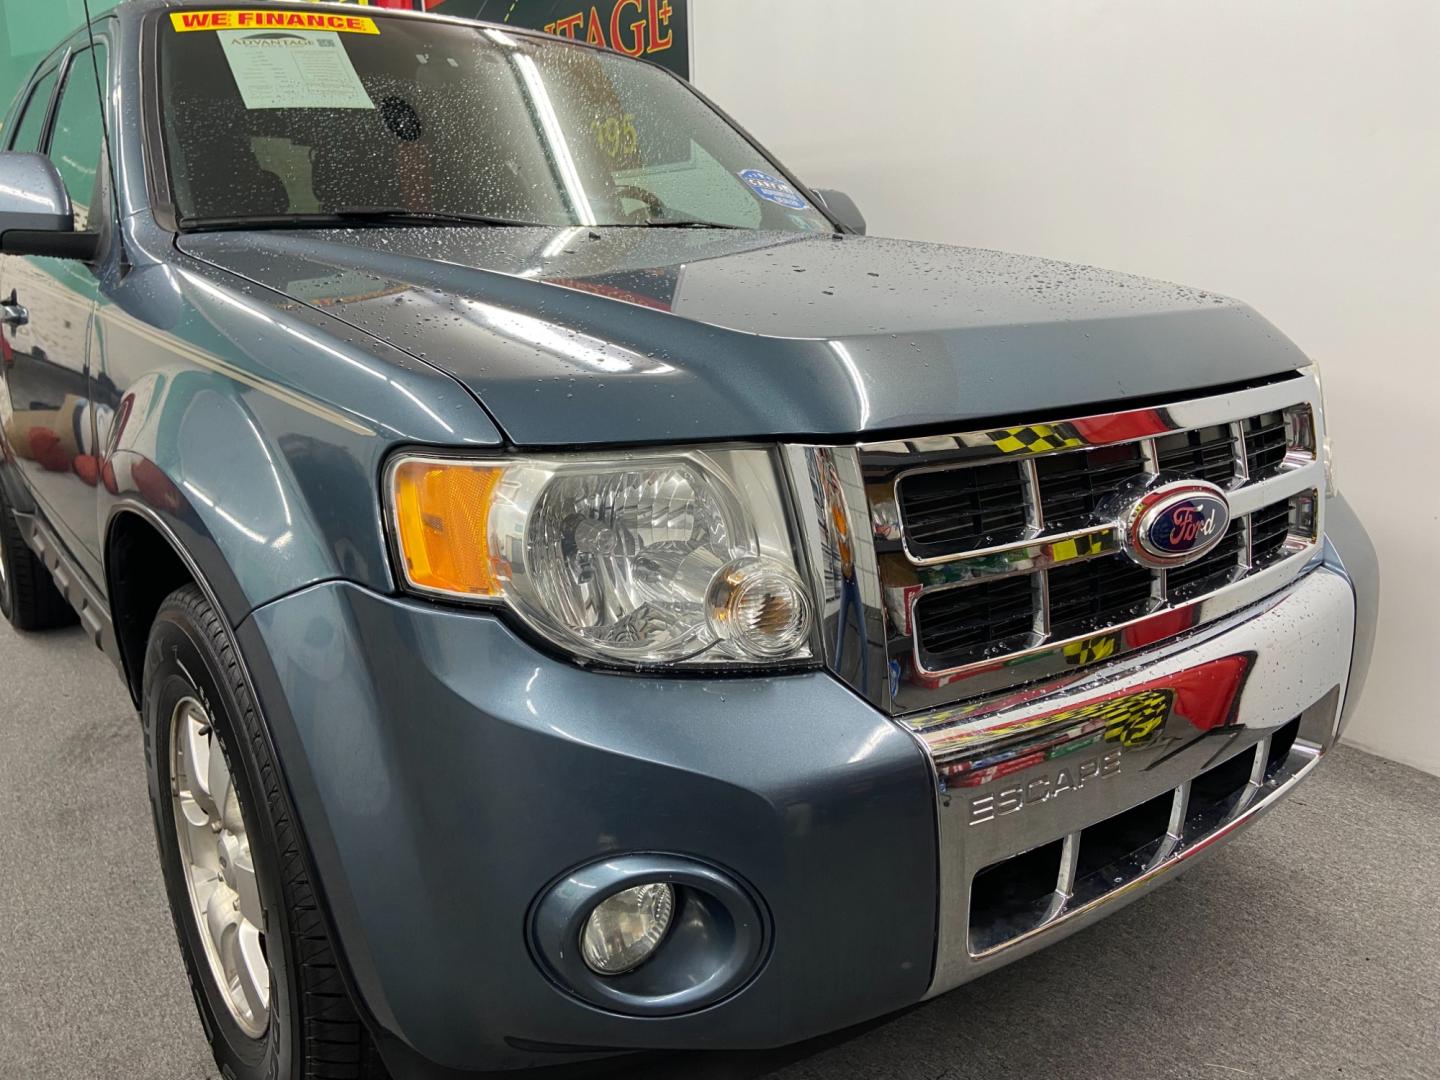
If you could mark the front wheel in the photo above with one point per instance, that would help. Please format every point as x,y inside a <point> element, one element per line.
<point>260,962</point>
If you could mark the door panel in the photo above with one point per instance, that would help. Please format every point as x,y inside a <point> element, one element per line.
<point>49,420</point>
<point>25,136</point>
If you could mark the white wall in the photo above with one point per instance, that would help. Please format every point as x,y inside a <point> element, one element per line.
<point>1283,151</point>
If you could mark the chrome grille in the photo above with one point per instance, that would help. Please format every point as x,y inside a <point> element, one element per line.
<point>997,559</point>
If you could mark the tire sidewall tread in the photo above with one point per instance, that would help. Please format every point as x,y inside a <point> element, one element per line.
<point>314,1030</point>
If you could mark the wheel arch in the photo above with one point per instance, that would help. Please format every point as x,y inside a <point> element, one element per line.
<point>144,563</point>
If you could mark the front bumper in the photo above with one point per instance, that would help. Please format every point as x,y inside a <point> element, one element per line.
<point>1099,792</point>
<point>445,773</point>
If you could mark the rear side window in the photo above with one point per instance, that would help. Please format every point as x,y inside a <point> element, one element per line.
<point>32,118</point>
<point>77,141</point>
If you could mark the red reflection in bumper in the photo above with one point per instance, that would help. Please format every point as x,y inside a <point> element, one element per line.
<point>1204,698</point>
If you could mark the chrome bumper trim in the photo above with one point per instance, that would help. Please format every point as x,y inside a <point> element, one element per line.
<point>1057,771</point>
<point>953,729</point>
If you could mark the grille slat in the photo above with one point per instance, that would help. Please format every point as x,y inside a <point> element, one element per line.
<point>1073,485</point>
<point>1216,568</point>
<point>957,625</point>
<point>1202,454</point>
<point>1092,595</point>
<point>956,510</point>
<point>1266,444</point>
<point>1269,529</point>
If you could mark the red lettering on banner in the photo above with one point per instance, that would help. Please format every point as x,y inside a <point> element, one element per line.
<point>650,33</point>
<point>595,35</point>
<point>660,12</point>
<point>566,27</point>
<point>637,45</point>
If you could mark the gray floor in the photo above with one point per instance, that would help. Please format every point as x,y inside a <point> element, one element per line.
<point>1308,949</point>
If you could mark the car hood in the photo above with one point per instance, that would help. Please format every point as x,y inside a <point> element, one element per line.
<point>632,335</point>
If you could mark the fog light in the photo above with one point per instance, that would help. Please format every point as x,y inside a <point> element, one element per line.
<point>625,929</point>
<point>759,607</point>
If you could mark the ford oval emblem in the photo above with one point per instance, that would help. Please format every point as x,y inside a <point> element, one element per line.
<point>1176,523</point>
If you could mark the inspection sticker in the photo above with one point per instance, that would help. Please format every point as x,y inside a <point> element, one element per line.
<point>272,20</point>
<point>307,69</point>
<point>773,189</point>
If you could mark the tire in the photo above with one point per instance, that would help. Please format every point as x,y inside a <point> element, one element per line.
<point>28,597</point>
<point>308,1027</point>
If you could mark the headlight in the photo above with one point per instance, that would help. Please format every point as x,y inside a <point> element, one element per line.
<point>667,558</point>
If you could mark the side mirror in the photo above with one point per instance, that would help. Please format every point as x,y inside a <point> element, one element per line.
<point>843,209</point>
<point>35,213</point>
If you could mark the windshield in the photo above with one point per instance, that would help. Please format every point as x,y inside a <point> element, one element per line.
<point>274,118</point>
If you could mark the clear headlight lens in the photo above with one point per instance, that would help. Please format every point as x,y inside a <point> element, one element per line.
<point>758,608</point>
<point>663,558</point>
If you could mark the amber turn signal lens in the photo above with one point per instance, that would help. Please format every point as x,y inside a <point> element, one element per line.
<point>442,512</point>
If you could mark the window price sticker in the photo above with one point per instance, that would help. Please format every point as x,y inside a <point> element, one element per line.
<point>293,69</point>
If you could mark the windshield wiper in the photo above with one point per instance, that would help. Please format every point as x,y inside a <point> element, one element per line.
<point>350,216</point>
<point>401,215</point>
<point>381,216</point>
<point>685,223</point>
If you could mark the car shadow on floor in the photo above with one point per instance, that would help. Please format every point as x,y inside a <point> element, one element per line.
<point>715,1065</point>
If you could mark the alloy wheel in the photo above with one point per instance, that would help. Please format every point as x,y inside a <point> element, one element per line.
<point>219,872</point>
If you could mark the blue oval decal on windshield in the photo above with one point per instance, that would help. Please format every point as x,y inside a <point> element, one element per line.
<point>773,189</point>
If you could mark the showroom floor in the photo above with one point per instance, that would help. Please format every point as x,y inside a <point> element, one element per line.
<point>1308,949</point>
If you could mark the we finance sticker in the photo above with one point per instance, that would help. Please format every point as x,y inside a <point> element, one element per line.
<point>773,189</point>
<point>249,19</point>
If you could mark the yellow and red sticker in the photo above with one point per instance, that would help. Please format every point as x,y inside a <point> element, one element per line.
<point>250,19</point>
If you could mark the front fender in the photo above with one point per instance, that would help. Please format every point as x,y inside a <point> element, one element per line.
<point>255,437</point>
<point>192,459</point>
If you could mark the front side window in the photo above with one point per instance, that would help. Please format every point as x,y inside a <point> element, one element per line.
<point>450,121</point>
<point>77,141</point>
<point>31,122</point>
